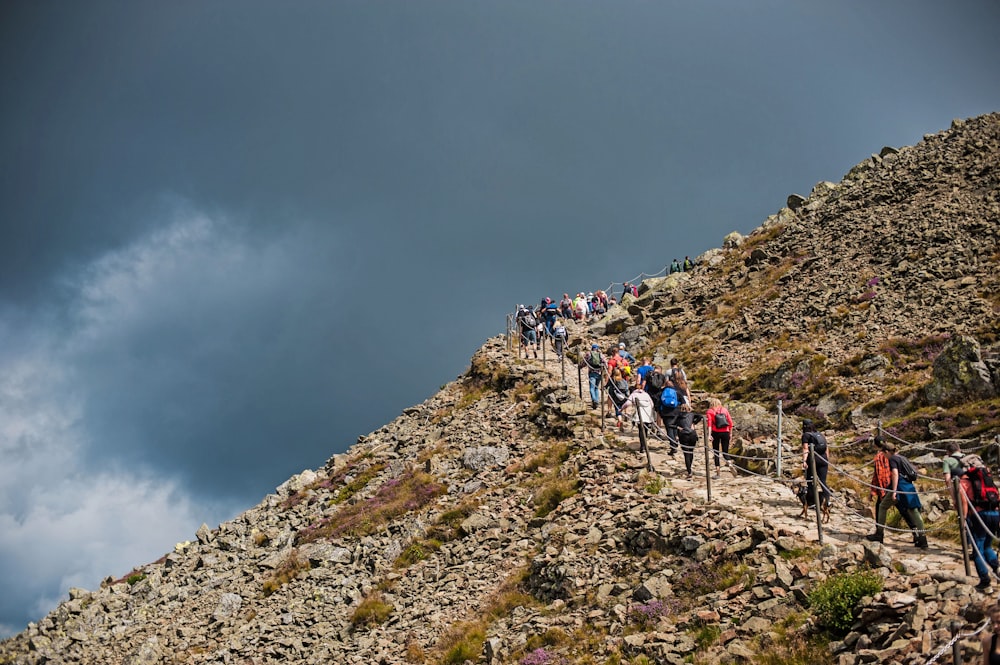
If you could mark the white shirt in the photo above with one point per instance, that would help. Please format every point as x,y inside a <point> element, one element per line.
<point>643,404</point>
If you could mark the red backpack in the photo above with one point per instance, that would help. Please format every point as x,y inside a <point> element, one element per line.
<point>985,495</point>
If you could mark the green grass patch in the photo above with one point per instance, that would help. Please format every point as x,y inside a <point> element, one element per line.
<point>835,600</point>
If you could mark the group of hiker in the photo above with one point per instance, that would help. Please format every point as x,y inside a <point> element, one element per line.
<point>657,400</point>
<point>975,494</point>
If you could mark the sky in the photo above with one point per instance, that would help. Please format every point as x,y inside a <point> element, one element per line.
<point>238,234</point>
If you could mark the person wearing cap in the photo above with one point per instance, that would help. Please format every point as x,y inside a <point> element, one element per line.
<point>595,363</point>
<point>623,352</point>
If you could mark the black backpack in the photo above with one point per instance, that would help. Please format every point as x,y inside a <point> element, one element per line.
<point>656,381</point>
<point>721,422</point>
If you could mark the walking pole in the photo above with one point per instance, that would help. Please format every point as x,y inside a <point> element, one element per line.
<point>815,479</point>
<point>955,489</point>
<point>779,440</point>
<point>708,462</point>
<point>562,363</point>
<point>544,344</point>
<point>579,380</point>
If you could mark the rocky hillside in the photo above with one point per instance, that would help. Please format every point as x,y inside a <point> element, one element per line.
<point>496,522</point>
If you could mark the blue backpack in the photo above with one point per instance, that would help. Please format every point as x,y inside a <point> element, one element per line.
<point>668,397</point>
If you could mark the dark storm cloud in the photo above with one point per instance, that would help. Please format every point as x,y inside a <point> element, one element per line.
<point>236,235</point>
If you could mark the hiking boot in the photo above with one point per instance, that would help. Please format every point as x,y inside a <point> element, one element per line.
<point>920,542</point>
<point>983,585</point>
<point>875,537</point>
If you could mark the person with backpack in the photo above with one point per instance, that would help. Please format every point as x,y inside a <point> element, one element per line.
<point>687,436</point>
<point>675,267</point>
<point>881,484</point>
<point>566,307</point>
<point>900,492</point>
<point>720,425</point>
<point>951,464</point>
<point>618,392</point>
<point>594,362</point>
<point>814,442</point>
<point>978,491</point>
<point>669,409</point>
<point>688,264</point>
<point>527,323</point>
<point>559,337</point>
<point>549,311</point>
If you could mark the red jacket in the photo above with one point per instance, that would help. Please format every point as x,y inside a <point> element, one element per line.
<point>710,417</point>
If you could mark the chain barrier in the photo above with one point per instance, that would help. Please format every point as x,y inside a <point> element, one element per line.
<point>956,638</point>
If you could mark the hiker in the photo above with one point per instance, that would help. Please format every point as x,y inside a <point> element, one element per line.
<point>559,337</point>
<point>618,392</point>
<point>991,656</point>
<point>549,313</point>
<point>821,454</point>
<point>686,435</point>
<point>644,414</point>
<point>880,491</point>
<point>668,406</point>
<point>951,464</point>
<point>642,372</point>
<point>527,323</point>
<point>594,362</point>
<point>675,267</point>
<point>983,520</point>
<point>676,369</point>
<point>623,352</point>
<point>580,307</point>
<point>617,361</point>
<point>720,425</point>
<point>566,307</point>
<point>900,491</point>
<point>688,264</point>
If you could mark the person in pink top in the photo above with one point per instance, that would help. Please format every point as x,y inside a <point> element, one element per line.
<point>720,424</point>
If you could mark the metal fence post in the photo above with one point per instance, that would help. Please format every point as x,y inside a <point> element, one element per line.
<point>708,462</point>
<point>815,479</point>
<point>956,648</point>
<point>963,532</point>
<point>778,465</point>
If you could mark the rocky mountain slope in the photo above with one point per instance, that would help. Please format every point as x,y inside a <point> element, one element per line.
<point>497,522</point>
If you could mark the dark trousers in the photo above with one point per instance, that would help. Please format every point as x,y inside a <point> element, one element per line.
<point>720,443</point>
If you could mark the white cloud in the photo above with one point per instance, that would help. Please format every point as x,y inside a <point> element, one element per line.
<point>60,524</point>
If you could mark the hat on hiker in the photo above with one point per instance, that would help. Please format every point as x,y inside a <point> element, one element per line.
<point>973,460</point>
<point>594,346</point>
<point>621,345</point>
<point>807,425</point>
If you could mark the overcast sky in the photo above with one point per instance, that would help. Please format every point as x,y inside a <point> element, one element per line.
<point>238,234</point>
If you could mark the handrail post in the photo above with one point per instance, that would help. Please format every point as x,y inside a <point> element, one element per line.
<point>708,462</point>
<point>963,532</point>
<point>778,465</point>
<point>815,479</point>
<point>956,648</point>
